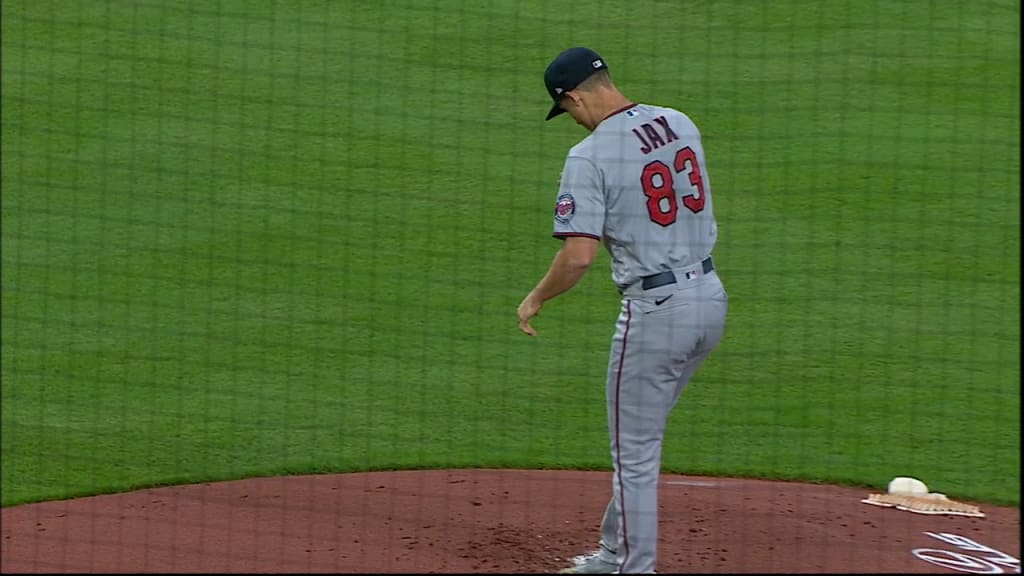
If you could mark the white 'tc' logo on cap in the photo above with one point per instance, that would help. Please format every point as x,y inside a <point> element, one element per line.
<point>597,63</point>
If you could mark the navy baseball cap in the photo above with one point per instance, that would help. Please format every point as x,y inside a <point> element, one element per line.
<point>567,71</point>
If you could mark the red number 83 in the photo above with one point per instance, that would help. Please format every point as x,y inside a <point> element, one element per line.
<point>662,188</point>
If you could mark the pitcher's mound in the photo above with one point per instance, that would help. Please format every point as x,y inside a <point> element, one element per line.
<point>491,521</point>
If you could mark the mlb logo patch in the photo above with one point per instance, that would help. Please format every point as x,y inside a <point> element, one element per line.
<point>691,275</point>
<point>631,113</point>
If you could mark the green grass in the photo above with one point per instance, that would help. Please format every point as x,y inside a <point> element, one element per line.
<point>268,240</point>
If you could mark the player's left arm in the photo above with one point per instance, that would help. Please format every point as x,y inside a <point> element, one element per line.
<point>579,220</point>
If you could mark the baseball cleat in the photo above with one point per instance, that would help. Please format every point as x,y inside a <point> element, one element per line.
<point>592,565</point>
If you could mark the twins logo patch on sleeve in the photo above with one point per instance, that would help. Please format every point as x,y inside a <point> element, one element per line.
<point>565,207</point>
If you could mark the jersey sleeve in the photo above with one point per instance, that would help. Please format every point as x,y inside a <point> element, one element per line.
<point>579,208</point>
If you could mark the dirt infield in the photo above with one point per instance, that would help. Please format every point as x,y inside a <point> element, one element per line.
<point>495,521</point>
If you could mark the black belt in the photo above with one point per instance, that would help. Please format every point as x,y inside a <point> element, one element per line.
<point>668,277</point>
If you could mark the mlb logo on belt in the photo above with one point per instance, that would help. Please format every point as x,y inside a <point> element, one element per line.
<point>691,275</point>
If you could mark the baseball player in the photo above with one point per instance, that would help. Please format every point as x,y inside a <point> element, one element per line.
<point>639,184</point>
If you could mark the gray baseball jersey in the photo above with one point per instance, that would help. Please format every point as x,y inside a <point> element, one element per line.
<point>639,183</point>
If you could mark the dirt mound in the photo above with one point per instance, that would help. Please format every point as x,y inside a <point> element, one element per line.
<point>504,521</point>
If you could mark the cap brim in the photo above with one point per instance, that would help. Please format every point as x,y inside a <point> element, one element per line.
<point>555,111</point>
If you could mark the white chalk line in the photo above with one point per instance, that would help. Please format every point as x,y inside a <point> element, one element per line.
<point>700,483</point>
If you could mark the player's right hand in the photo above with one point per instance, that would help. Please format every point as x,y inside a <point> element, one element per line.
<point>529,308</point>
